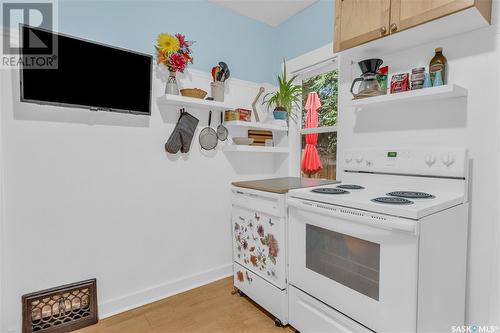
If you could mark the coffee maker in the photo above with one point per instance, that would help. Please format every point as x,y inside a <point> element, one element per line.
<point>368,81</point>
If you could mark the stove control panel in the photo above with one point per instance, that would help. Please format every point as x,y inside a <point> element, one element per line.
<point>445,162</point>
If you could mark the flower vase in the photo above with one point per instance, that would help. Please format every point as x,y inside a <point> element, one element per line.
<point>172,88</point>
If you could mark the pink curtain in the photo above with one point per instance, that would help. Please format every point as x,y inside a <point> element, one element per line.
<point>311,162</point>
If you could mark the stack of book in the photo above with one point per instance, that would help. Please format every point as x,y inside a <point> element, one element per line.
<point>260,137</point>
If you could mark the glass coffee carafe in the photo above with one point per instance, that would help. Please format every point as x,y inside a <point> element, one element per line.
<point>368,85</point>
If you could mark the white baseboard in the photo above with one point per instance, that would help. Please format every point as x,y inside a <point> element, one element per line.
<point>155,293</point>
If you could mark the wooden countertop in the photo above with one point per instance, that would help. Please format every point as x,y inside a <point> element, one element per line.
<point>282,185</point>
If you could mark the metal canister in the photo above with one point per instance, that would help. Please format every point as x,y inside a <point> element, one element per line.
<point>417,78</point>
<point>230,115</point>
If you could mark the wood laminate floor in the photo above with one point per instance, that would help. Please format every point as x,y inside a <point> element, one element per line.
<point>210,308</point>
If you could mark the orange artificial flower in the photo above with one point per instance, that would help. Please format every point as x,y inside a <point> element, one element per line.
<point>161,57</point>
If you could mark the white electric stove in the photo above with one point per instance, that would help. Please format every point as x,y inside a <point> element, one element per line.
<point>385,250</point>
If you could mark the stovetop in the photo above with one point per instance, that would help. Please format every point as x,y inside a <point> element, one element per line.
<point>404,200</point>
<point>329,190</point>
<point>392,201</point>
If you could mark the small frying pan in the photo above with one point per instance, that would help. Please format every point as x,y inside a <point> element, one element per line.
<point>222,131</point>
<point>208,136</point>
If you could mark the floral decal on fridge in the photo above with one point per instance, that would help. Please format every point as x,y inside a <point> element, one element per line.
<point>241,277</point>
<point>255,245</point>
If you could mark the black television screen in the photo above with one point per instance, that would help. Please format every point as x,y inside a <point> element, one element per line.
<point>87,75</point>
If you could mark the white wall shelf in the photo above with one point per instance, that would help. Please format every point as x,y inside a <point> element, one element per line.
<point>256,149</point>
<point>195,103</point>
<point>273,126</point>
<point>412,96</point>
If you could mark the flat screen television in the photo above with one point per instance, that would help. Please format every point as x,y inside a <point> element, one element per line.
<point>88,75</point>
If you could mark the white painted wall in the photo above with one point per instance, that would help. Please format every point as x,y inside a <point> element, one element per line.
<point>95,195</point>
<point>472,123</point>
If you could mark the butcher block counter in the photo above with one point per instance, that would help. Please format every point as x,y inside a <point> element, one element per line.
<point>282,185</point>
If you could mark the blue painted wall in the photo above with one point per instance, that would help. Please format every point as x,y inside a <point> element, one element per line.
<point>247,46</point>
<point>253,50</point>
<point>307,30</point>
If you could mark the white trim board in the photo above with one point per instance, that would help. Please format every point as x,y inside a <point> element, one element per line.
<point>146,296</point>
<point>142,297</point>
<point>322,129</point>
<point>316,56</point>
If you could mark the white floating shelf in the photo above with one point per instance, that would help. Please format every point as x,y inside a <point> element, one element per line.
<point>412,96</point>
<point>256,149</point>
<point>195,103</point>
<point>277,126</point>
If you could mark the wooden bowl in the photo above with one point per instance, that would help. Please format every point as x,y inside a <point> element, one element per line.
<point>194,93</point>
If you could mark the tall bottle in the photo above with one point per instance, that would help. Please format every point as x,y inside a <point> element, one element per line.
<point>438,63</point>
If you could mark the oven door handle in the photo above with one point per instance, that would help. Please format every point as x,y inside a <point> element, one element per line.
<point>367,218</point>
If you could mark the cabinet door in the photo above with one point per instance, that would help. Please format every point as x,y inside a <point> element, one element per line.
<point>360,21</point>
<point>409,13</point>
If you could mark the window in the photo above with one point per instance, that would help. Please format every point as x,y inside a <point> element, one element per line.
<point>323,81</point>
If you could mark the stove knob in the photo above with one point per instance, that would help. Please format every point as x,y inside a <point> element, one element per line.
<point>448,159</point>
<point>359,159</point>
<point>430,159</point>
<point>348,158</point>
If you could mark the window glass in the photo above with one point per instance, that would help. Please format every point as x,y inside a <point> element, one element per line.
<point>327,150</point>
<point>326,85</point>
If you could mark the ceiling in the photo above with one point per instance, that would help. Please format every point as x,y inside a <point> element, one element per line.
<point>272,12</point>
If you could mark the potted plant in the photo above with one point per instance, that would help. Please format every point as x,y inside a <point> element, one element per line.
<point>285,98</point>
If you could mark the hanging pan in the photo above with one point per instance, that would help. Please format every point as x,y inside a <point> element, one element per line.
<point>208,136</point>
<point>222,131</point>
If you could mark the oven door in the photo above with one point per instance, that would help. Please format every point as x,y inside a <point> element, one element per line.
<point>360,263</point>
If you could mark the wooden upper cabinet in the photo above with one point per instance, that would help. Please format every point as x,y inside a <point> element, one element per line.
<point>410,13</point>
<point>360,21</point>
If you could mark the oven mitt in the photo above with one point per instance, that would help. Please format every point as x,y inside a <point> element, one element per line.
<point>187,127</point>
<point>174,142</point>
<point>183,133</point>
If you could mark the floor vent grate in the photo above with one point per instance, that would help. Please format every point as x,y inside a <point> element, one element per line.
<point>61,309</point>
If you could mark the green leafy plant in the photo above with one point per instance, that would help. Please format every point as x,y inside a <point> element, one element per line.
<point>286,97</point>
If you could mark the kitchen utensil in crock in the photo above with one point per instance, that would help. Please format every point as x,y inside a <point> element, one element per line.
<point>222,131</point>
<point>369,85</point>
<point>208,136</point>
<point>214,72</point>
<point>224,74</point>
<point>223,65</point>
<point>220,73</point>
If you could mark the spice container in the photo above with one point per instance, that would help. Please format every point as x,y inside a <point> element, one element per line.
<point>244,114</point>
<point>230,115</point>
<point>382,78</point>
<point>400,83</point>
<point>417,78</point>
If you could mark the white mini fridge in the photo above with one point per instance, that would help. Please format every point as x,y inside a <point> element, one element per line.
<point>259,222</point>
